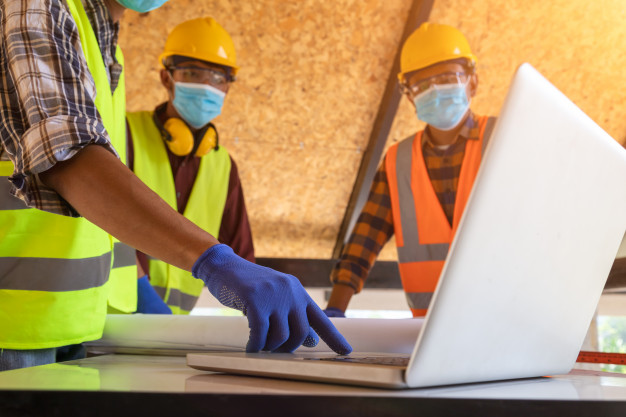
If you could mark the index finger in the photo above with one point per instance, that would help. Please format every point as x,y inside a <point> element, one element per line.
<point>327,330</point>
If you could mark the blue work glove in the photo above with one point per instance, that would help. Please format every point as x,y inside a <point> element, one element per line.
<point>280,312</point>
<point>334,312</point>
<point>148,301</point>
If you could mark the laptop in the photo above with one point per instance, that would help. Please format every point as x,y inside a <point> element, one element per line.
<point>525,271</point>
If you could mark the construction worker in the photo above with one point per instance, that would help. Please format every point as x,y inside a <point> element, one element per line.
<point>421,187</point>
<point>174,150</point>
<point>26,250</point>
<point>61,111</point>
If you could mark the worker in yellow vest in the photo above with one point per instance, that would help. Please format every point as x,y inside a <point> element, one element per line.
<point>32,245</point>
<point>40,227</point>
<point>174,150</point>
<point>60,75</point>
<point>421,187</point>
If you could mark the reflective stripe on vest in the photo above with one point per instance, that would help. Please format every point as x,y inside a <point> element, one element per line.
<point>123,255</point>
<point>181,302</point>
<point>423,233</point>
<point>80,274</point>
<point>54,267</point>
<point>123,279</point>
<point>205,206</point>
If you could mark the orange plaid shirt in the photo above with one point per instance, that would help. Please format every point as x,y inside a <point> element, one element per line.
<point>374,226</point>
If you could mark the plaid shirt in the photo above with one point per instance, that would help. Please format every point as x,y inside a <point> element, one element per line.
<point>374,226</point>
<point>47,110</point>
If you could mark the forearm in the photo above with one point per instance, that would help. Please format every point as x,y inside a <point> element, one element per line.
<point>340,296</point>
<point>373,229</point>
<point>109,195</point>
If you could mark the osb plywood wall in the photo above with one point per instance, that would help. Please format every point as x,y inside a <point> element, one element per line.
<point>313,73</point>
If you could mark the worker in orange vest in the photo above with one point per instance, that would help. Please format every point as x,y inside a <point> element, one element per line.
<point>421,187</point>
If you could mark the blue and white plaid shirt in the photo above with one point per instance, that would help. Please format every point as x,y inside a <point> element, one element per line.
<point>47,110</point>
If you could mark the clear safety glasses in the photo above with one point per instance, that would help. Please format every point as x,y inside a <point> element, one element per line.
<point>416,88</point>
<point>199,75</point>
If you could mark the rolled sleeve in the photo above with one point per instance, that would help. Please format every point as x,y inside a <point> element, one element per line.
<point>48,110</point>
<point>64,137</point>
<point>372,230</point>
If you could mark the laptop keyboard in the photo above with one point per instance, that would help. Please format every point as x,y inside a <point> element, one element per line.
<point>369,360</point>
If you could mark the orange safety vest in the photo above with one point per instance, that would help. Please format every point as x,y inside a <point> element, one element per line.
<point>423,233</point>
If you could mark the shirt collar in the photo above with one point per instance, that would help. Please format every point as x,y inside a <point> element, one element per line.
<point>106,32</point>
<point>469,131</point>
<point>105,29</point>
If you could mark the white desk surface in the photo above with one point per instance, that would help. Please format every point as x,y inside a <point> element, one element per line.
<point>109,376</point>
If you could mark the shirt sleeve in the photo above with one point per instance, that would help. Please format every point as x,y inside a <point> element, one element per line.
<point>47,111</point>
<point>235,228</point>
<point>372,230</point>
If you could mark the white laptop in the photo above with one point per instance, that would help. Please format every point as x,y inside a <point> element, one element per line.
<point>527,266</point>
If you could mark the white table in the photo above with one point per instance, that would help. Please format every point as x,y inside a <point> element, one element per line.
<point>137,385</point>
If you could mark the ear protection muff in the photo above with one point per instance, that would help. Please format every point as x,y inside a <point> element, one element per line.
<point>181,140</point>
<point>208,142</point>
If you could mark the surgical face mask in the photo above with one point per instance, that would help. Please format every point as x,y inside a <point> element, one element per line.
<point>197,104</point>
<point>442,106</point>
<point>142,6</point>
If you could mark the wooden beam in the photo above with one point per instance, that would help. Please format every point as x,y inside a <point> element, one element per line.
<point>419,13</point>
<point>315,273</point>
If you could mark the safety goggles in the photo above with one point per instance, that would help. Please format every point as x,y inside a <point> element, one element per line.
<point>414,89</point>
<point>199,75</point>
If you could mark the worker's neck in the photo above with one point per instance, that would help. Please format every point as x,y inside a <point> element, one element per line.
<point>116,10</point>
<point>170,112</point>
<point>445,137</point>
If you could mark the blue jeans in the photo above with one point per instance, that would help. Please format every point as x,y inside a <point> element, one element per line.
<point>14,359</point>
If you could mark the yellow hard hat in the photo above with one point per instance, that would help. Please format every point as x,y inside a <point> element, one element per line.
<point>202,39</point>
<point>432,43</point>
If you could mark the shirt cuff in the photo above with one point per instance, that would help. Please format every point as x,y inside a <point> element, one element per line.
<point>344,277</point>
<point>50,141</point>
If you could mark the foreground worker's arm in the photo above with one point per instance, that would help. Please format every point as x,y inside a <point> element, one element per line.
<point>103,190</point>
<point>338,301</point>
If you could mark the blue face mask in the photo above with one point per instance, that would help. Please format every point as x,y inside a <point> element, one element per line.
<point>197,104</point>
<point>142,6</point>
<point>442,106</point>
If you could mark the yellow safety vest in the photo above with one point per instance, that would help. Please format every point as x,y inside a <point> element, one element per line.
<point>123,277</point>
<point>205,207</point>
<point>53,268</point>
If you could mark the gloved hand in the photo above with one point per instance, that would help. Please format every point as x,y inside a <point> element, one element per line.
<point>334,312</point>
<point>148,301</point>
<point>280,312</point>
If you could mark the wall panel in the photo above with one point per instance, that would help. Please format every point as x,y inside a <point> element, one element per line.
<point>312,76</point>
